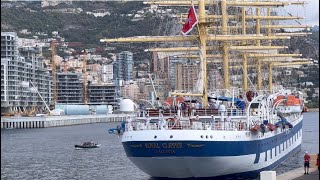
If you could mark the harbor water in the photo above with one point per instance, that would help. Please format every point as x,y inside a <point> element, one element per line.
<point>49,153</point>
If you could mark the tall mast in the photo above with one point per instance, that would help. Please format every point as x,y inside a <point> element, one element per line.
<point>203,41</point>
<point>225,53</point>
<point>259,78</point>
<point>244,55</point>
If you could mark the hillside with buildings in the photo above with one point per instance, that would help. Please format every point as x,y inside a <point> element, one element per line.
<point>113,71</point>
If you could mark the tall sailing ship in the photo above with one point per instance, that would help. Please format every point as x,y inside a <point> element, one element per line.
<point>235,131</point>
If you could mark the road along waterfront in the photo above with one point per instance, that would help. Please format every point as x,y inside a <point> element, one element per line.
<point>48,153</point>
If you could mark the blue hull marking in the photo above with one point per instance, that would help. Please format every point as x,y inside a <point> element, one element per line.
<point>249,174</point>
<point>256,160</point>
<point>206,148</point>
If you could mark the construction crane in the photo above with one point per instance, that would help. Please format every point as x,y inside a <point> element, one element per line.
<point>85,83</point>
<point>54,72</point>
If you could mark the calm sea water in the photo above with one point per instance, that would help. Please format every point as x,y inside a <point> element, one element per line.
<point>49,153</point>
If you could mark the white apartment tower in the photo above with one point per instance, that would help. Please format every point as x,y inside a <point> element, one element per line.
<point>107,73</point>
<point>19,67</point>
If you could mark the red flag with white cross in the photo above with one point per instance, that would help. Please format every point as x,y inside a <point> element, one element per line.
<point>192,20</point>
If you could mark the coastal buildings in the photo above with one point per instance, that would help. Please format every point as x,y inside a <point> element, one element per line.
<point>107,73</point>
<point>103,94</point>
<point>69,88</point>
<point>70,91</point>
<point>123,67</point>
<point>186,76</point>
<point>20,68</point>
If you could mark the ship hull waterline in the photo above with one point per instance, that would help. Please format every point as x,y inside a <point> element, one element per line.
<point>182,158</point>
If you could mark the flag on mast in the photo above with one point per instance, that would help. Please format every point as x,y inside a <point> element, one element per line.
<point>192,20</point>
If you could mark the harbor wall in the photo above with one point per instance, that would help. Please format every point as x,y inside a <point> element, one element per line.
<point>54,121</point>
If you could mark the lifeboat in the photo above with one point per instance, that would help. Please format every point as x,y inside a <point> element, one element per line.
<point>255,128</point>
<point>271,127</point>
<point>290,104</point>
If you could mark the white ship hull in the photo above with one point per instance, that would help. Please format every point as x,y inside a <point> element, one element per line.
<point>206,153</point>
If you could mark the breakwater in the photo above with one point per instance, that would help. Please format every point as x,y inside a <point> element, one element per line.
<point>54,121</point>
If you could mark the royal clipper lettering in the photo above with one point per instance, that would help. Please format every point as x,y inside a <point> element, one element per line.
<point>151,145</point>
<point>163,145</point>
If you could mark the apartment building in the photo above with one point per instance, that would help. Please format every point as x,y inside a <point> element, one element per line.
<point>69,88</point>
<point>103,94</point>
<point>186,76</point>
<point>123,66</point>
<point>22,75</point>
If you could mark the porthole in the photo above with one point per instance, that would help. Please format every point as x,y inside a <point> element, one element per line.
<point>155,137</point>
<point>201,136</point>
<point>207,136</point>
<point>211,136</point>
<point>171,136</point>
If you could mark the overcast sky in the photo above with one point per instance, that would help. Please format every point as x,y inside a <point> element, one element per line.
<point>312,12</point>
<point>312,17</point>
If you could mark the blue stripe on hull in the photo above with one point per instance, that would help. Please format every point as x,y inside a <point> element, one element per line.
<point>249,174</point>
<point>206,148</point>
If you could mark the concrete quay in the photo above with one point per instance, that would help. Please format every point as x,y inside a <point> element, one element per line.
<point>298,174</point>
<point>54,121</point>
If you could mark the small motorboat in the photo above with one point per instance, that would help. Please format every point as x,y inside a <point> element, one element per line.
<point>87,145</point>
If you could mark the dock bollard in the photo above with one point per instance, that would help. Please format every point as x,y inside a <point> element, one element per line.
<point>268,175</point>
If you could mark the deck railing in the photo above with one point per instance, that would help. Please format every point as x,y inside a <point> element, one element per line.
<point>186,125</point>
<point>192,112</point>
